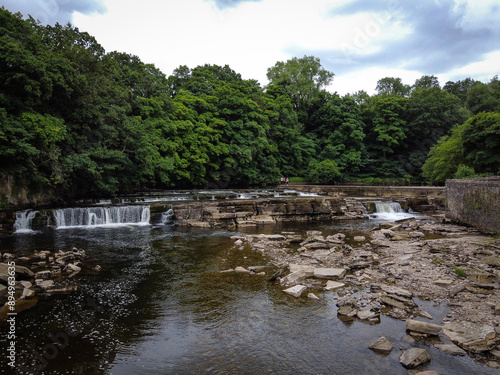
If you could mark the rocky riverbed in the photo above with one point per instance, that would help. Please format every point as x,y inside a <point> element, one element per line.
<point>39,275</point>
<point>389,270</point>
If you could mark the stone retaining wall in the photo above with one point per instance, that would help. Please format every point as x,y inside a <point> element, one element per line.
<point>475,202</point>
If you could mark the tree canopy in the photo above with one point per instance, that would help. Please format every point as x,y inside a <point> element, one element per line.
<point>80,122</point>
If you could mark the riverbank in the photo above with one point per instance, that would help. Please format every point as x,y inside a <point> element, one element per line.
<point>390,268</point>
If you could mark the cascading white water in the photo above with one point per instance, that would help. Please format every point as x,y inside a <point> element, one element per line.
<point>388,207</point>
<point>23,221</point>
<point>390,211</point>
<point>167,217</point>
<point>102,216</point>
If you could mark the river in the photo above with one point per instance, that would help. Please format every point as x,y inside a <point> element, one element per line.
<point>161,306</point>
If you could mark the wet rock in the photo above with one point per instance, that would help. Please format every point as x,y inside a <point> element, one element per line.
<point>474,337</point>
<point>293,278</point>
<point>44,284</point>
<point>43,275</point>
<point>367,314</point>
<point>423,327</point>
<point>296,291</point>
<point>27,293</point>
<point>312,296</point>
<point>330,285</point>
<point>450,349</point>
<point>382,345</point>
<point>414,357</point>
<point>329,273</point>
<point>72,268</point>
<point>347,310</point>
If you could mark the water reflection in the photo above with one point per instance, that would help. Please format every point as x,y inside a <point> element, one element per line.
<point>161,306</point>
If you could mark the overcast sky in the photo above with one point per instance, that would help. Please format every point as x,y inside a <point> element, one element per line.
<point>361,41</point>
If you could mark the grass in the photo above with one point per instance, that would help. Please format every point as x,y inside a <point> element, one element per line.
<point>437,262</point>
<point>459,271</point>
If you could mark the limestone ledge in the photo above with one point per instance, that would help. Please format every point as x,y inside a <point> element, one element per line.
<point>265,211</point>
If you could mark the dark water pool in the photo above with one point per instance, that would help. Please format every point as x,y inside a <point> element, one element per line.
<point>161,306</point>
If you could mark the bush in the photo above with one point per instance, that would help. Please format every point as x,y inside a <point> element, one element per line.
<point>464,171</point>
<point>326,172</point>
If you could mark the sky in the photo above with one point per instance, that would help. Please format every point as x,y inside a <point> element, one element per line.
<point>360,41</point>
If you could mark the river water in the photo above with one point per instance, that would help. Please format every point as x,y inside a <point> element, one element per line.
<point>161,306</point>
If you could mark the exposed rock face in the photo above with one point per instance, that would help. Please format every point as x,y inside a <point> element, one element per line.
<point>253,212</point>
<point>414,357</point>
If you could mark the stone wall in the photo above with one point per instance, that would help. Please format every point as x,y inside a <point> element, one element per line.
<point>262,211</point>
<point>475,202</point>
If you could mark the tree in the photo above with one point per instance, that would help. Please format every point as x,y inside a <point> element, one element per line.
<point>445,157</point>
<point>426,82</point>
<point>302,79</point>
<point>483,98</point>
<point>392,86</point>
<point>460,88</point>
<point>339,132</point>
<point>481,142</point>
<point>325,172</point>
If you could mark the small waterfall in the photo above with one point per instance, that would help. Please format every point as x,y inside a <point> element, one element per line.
<point>23,221</point>
<point>388,207</point>
<point>167,218</point>
<point>102,216</point>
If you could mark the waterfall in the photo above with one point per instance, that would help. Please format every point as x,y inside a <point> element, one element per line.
<point>23,221</point>
<point>388,207</point>
<point>167,218</point>
<point>102,216</point>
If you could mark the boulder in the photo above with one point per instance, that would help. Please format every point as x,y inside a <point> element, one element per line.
<point>329,273</point>
<point>382,345</point>
<point>414,357</point>
<point>423,327</point>
<point>474,337</point>
<point>296,290</point>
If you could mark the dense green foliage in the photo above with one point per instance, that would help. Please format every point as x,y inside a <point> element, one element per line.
<point>78,121</point>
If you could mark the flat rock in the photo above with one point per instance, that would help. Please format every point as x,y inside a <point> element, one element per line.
<point>432,372</point>
<point>329,273</point>
<point>366,314</point>
<point>382,345</point>
<point>443,283</point>
<point>493,261</point>
<point>44,284</point>
<point>296,290</point>
<point>474,337</point>
<point>330,284</point>
<point>450,349</point>
<point>414,357</point>
<point>312,296</point>
<point>308,270</point>
<point>423,327</point>
<point>390,289</point>
<point>241,270</point>
<point>347,310</point>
